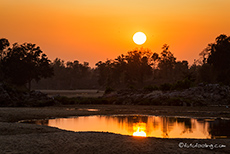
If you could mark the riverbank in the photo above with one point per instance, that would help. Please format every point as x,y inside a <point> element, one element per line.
<point>202,95</point>
<point>30,138</point>
<point>16,114</point>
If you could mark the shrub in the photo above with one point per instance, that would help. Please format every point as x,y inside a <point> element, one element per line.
<point>174,101</point>
<point>182,84</point>
<point>44,103</point>
<point>108,90</point>
<point>150,88</point>
<point>165,87</point>
<point>131,87</point>
<point>64,100</point>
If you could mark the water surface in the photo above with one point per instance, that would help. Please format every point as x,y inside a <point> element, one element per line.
<point>146,126</point>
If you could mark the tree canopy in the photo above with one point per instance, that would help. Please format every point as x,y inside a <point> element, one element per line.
<point>128,69</point>
<point>4,43</point>
<point>25,62</point>
<point>217,55</point>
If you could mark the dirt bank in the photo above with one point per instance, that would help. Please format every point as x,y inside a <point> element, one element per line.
<point>29,138</point>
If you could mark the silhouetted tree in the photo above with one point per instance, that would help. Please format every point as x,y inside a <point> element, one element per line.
<point>25,62</point>
<point>76,73</point>
<point>155,58</point>
<point>105,73</point>
<point>206,74</point>
<point>119,70</point>
<point>181,70</point>
<point>217,56</point>
<point>138,65</point>
<point>129,69</point>
<point>68,75</point>
<point>167,62</point>
<point>57,80</point>
<point>4,43</point>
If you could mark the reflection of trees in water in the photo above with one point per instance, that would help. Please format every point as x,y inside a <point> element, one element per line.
<point>130,121</point>
<point>155,123</point>
<point>215,128</point>
<point>122,120</point>
<point>219,129</point>
<point>167,125</point>
<point>187,124</point>
<point>204,124</point>
<point>186,121</point>
<point>152,123</point>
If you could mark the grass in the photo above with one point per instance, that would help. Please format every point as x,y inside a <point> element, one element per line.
<point>74,93</point>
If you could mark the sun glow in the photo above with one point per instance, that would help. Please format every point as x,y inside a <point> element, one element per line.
<point>139,129</point>
<point>139,38</point>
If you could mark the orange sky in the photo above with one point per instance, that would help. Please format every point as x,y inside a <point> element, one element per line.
<point>94,30</point>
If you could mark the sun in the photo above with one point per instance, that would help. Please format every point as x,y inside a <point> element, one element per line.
<point>139,38</point>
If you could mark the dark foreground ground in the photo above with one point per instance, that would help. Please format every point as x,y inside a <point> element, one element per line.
<point>30,138</point>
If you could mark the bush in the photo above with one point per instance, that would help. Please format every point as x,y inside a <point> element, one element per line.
<point>131,87</point>
<point>174,101</point>
<point>166,87</point>
<point>64,100</point>
<point>182,84</point>
<point>150,88</point>
<point>108,90</point>
<point>44,103</point>
<point>81,100</point>
<point>156,101</point>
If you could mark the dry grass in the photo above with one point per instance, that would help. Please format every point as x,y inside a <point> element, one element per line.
<point>74,93</point>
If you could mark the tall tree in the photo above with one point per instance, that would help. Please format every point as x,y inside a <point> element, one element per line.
<point>138,65</point>
<point>4,43</point>
<point>105,73</point>
<point>181,70</point>
<point>167,62</point>
<point>129,69</point>
<point>217,55</point>
<point>26,62</point>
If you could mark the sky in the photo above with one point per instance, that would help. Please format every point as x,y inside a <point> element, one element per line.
<point>96,30</point>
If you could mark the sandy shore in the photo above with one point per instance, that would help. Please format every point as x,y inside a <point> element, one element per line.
<point>30,138</point>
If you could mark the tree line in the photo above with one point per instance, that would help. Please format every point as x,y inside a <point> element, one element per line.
<point>69,75</point>
<point>23,64</point>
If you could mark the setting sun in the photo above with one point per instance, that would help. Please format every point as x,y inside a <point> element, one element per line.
<point>139,38</point>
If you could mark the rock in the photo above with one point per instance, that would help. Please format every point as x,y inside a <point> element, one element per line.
<point>210,94</point>
<point>13,97</point>
<point>5,99</point>
<point>110,94</point>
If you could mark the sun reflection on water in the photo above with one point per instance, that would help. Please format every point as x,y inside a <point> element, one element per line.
<point>139,129</point>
